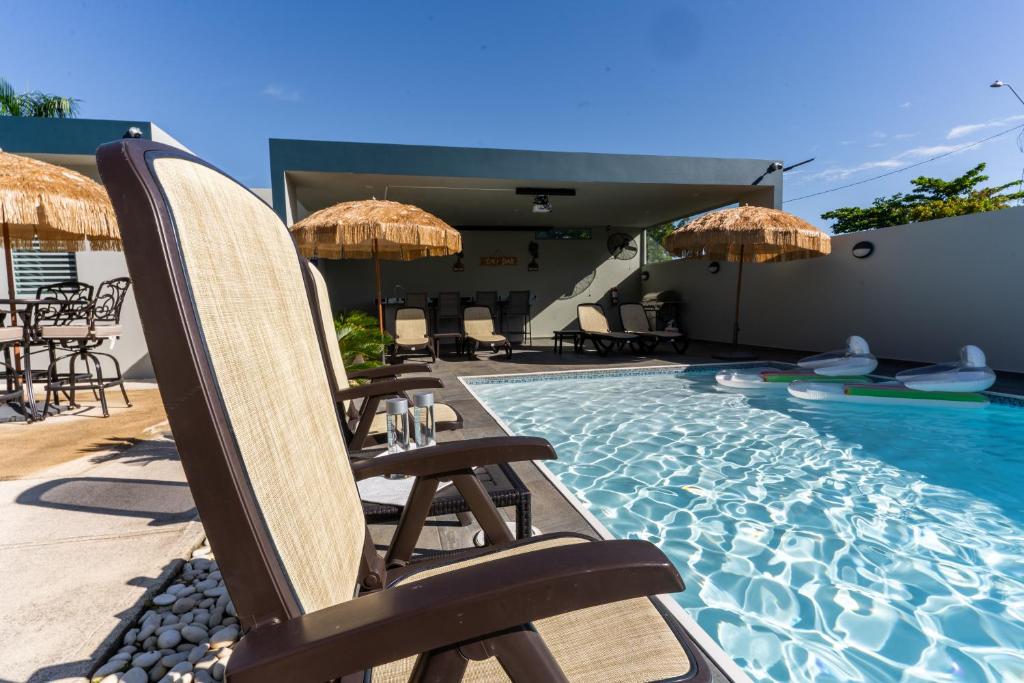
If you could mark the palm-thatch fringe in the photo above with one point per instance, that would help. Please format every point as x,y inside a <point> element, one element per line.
<point>402,232</point>
<point>63,209</point>
<point>759,234</point>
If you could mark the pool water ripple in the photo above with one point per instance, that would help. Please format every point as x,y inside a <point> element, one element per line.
<point>818,543</point>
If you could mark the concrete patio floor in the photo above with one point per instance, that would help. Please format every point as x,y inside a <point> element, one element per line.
<point>83,544</point>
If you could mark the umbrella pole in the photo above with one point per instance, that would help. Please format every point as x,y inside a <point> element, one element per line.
<point>9,259</point>
<point>739,289</point>
<point>735,353</point>
<point>380,302</point>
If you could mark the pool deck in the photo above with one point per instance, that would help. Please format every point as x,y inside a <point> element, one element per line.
<point>60,634</point>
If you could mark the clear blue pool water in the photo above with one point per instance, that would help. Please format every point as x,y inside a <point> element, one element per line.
<point>819,542</point>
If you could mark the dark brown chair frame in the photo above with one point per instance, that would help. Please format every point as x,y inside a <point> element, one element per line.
<point>604,343</point>
<point>481,611</point>
<point>649,342</point>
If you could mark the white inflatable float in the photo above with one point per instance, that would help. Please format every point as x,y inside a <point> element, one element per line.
<point>956,384</point>
<point>851,364</point>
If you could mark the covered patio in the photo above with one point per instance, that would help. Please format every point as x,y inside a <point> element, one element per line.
<point>566,226</point>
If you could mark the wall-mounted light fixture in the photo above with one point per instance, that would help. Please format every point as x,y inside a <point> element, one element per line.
<point>534,250</point>
<point>541,204</point>
<point>863,249</point>
<point>133,132</point>
<point>458,266</point>
<point>645,275</point>
<point>713,267</point>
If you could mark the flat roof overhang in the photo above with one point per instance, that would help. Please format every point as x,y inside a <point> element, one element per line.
<point>71,143</point>
<point>473,187</point>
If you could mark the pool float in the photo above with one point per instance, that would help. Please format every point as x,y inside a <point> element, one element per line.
<point>957,384</point>
<point>851,364</point>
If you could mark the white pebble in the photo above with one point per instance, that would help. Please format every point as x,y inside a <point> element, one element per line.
<point>169,638</point>
<point>164,599</point>
<point>144,660</point>
<point>135,675</point>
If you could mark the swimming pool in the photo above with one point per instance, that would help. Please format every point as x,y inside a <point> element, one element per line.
<point>818,542</point>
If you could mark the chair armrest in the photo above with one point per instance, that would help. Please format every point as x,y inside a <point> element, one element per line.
<point>393,386</point>
<point>388,371</point>
<point>455,456</point>
<point>461,605</point>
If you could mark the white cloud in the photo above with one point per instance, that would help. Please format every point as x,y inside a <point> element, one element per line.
<point>896,161</point>
<point>905,105</point>
<point>278,92</point>
<point>968,128</point>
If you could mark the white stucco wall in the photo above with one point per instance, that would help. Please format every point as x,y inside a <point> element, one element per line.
<point>563,263</point>
<point>928,289</point>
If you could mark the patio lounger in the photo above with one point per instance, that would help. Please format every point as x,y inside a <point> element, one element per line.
<point>315,600</point>
<point>634,320</point>
<point>411,333</point>
<point>594,327</point>
<point>363,425</point>
<point>478,328</point>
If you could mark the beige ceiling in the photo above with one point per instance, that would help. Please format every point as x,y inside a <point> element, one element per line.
<point>488,202</point>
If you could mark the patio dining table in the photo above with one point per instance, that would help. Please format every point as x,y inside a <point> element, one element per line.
<point>25,309</point>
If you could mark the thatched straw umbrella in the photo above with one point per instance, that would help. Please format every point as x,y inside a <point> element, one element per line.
<point>748,234</point>
<point>60,208</point>
<point>377,229</point>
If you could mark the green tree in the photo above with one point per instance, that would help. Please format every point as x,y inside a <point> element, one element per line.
<point>359,340</point>
<point>35,104</point>
<point>931,198</point>
<point>656,235</point>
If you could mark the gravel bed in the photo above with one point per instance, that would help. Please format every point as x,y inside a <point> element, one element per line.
<point>185,636</point>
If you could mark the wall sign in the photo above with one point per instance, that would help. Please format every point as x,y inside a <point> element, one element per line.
<point>499,260</point>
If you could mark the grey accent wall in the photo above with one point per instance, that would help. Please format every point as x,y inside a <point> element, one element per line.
<point>928,289</point>
<point>563,264</point>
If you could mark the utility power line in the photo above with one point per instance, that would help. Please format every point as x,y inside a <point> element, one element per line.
<point>906,168</point>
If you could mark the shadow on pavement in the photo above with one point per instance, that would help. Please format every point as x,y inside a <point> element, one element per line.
<point>162,502</point>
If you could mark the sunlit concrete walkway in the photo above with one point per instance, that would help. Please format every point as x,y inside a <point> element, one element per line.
<point>80,544</point>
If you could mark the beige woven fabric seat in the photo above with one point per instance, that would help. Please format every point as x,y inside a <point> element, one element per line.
<point>634,318</point>
<point>106,331</point>
<point>411,332</point>
<point>8,334</point>
<point>64,331</point>
<point>626,641</point>
<point>309,511</point>
<point>478,328</point>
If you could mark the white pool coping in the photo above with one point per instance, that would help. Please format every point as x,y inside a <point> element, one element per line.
<point>711,648</point>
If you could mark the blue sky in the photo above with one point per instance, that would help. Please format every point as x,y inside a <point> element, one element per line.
<point>863,86</point>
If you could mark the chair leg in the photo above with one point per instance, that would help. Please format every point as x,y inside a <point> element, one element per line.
<point>51,375</point>
<point>71,380</point>
<point>119,378</point>
<point>447,664</point>
<point>99,381</point>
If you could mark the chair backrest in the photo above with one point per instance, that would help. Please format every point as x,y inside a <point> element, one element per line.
<point>592,318</point>
<point>221,291</point>
<point>449,305</point>
<point>634,318</point>
<point>416,300</point>
<point>410,323</point>
<point>488,299</point>
<point>476,321</point>
<point>109,299</point>
<point>74,301</point>
<point>518,302</point>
